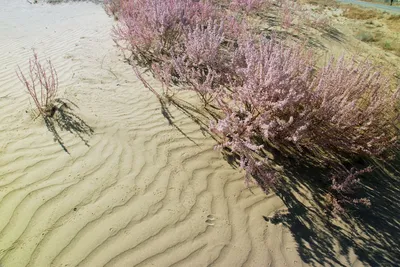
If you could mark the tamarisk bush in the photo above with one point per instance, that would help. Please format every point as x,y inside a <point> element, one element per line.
<point>154,28</point>
<point>265,103</point>
<point>325,116</point>
<point>356,109</point>
<point>270,96</point>
<point>181,42</point>
<point>204,63</point>
<point>344,109</point>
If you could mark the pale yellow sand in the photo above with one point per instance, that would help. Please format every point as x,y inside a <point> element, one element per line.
<point>141,194</point>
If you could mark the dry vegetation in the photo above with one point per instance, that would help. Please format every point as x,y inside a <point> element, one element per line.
<point>393,23</point>
<point>383,2</point>
<point>378,28</point>
<point>322,3</point>
<point>353,12</point>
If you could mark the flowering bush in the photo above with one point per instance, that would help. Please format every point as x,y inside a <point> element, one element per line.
<point>269,95</point>
<point>156,27</point>
<point>204,64</point>
<point>267,101</point>
<point>328,115</point>
<point>357,109</point>
<point>182,42</point>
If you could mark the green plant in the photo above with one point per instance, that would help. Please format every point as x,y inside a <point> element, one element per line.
<point>366,37</point>
<point>387,45</point>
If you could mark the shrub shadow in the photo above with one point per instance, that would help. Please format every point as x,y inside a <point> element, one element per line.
<point>200,116</point>
<point>372,233</point>
<point>66,119</point>
<point>333,34</point>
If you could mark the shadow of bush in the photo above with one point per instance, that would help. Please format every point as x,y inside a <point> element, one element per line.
<point>372,233</point>
<point>66,119</point>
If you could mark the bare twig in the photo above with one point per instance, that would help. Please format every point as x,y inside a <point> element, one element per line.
<point>41,84</point>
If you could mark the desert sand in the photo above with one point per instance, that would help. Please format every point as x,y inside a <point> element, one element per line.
<point>139,192</point>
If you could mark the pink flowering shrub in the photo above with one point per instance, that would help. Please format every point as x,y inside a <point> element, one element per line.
<point>270,96</point>
<point>343,110</point>
<point>204,64</point>
<point>268,101</point>
<point>202,44</point>
<point>357,109</point>
<point>182,42</point>
<point>153,27</point>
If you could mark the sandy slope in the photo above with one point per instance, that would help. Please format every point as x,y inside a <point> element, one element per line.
<point>141,193</point>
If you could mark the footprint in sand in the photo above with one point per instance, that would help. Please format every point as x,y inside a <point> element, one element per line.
<point>210,220</point>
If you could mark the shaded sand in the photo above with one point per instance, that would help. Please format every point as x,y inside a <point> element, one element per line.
<point>140,192</point>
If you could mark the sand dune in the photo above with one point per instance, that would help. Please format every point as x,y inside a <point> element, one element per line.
<point>140,193</point>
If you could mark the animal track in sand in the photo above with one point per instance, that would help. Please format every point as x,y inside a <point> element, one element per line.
<point>210,220</point>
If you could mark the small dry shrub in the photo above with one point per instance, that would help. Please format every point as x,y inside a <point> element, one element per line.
<point>112,7</point>
<point>393,23</point>
<point>41,84</point>
<point>394,17</point>
<point>367,37</point>
<point>322,3</point>
<point>392,45</point>
<point>353,12</point>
